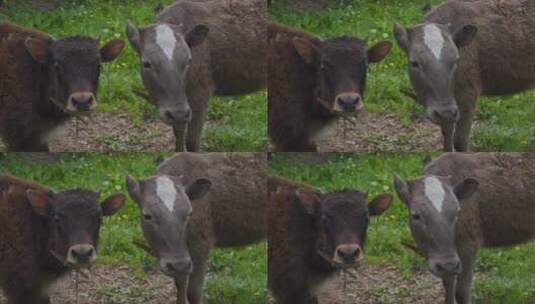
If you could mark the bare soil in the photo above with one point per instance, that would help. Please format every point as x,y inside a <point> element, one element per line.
<point>380,132</point>
<point>104,131</point>
<point>370,284</point>
<point>373,284</point>
<point>370,132</point>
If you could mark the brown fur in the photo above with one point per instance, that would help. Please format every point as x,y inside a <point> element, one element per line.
<point>313,235</point>
<point>293,114</point>
<point>499,214</point>
<point>501,59</point>
<point>26,267</point>
<point>25,113</point>
<point>233,212</point>
<point>231,61</point>
<point>290,235</point>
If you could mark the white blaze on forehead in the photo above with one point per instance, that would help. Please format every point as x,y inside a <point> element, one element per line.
<point>166,191</point>
<point>433,40</point>
<point>166,40</point>
<point>434,192</point>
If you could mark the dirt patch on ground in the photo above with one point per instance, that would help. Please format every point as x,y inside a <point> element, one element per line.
<point>372,132</point>
<point>380,285</point>
<point>380,132</point>
<point>112,285</point>
<point>371,284</point>
<point>306,4</point>
<point>103,131</point>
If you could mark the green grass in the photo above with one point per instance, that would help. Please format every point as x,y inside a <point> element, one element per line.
<point>503,276</point>
<point>239,123</point>
<point>504,123</point>
<point>235,276</point>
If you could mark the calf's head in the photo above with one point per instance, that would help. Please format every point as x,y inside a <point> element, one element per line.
<point>341,222</point>
<point>434,206</point>
<point>74,219</point>
<point>73,65</point>
<point>433,54</point>
<point>165,53</point>
<point>165,203</point>
<point>340,65</point>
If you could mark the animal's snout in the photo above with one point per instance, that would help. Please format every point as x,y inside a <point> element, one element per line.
<point>443,267</point>
<point>81,254</point>
<point>174,267</point>
<point>349,102</point>
<point>81,101</point>
<point>172,117</point>
<point>347,253</point>
<point>444,115</point>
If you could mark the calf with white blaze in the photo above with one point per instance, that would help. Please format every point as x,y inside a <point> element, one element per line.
<point>464,50</point>
<point>44,234</point>
<point>198,49</point>
<point>464,202</point>
<point>196,202</point>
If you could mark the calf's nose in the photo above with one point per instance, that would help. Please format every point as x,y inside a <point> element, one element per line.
<point>172,117</point>
<point>348,253</point>
<point>174,267</point>
<point>349,101</point>
<point>82,101</point>
<point>81,254</point>
<point>445,115</point>
<point>452,266</point>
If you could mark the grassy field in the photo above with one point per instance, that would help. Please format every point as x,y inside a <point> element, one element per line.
<point>235,276</point>
<point>236,123</point>
<point>503,123</point>
<point>503,276</point>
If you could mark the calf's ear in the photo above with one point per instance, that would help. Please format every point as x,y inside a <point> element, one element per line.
<point>306,50</point>
<point>112,204</point>
<point>133,189</point>
<point>198,189</point>
<point>402,189</point>
<point>111,50</point>
<point>465,35</point>
<point>402,37</point>
<point>380,204</point>
<point>197,35</point>
<point>38,49</point>
<point>379,51</point>
<point>40,201</point>
<point>466,188</point>
<point>132,33</point>
<point>308,201</point>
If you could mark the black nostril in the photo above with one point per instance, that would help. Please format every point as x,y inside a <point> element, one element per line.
<point>347,101</point>
<point>169,115</point>
<point>170,267</point>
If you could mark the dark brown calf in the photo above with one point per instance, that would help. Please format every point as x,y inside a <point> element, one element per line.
<point>44,81</point>
<point>312,236</point>
<point>44,234</point>
<point>313,82</point>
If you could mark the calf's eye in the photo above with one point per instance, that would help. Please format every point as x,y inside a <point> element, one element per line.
<point>416,216</point>
<point>415,64</point>
<point>147,217</point>
<point>147,65</point>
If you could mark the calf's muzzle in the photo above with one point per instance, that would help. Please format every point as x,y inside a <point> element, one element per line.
<point>81,101</point>
<point>173,267</point>
<point>348,102</point>
<point>81,254</point>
